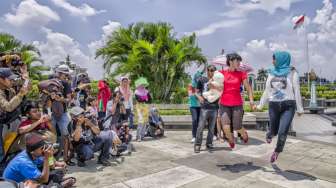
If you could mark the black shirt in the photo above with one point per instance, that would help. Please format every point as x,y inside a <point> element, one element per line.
<point>82,96</point>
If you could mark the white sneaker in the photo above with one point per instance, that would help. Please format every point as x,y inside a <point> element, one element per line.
<point>192,140</point>
<point>214,138</point>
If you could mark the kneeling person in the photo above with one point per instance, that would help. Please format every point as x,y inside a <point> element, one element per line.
<point>26,165</point>
<point>87,139</point>
<point>156,124</point>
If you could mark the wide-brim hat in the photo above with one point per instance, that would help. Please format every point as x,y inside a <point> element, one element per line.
<point>64,69</point>
<point>142,81</point>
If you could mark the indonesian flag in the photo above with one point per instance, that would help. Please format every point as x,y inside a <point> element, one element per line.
<point>299,22</point>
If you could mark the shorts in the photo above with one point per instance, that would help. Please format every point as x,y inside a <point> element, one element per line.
<point>232,115</point>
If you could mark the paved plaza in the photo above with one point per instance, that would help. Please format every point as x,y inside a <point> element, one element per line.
<point>170,162</point>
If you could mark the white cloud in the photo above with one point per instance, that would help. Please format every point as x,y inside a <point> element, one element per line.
<point>29,12</point>
<point>58,45</point>
<point>213,27</point>
<point>241,9</point>
<point>324,14</point>
<point>107,30</point>
<point>83,10</point>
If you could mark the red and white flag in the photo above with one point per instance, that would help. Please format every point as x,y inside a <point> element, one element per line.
<point>299,22</point>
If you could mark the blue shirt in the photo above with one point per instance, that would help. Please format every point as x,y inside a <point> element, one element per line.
<point>22,168</point>
<point>193,101</point>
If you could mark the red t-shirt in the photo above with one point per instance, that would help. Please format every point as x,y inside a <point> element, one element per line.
<point>39,127</point>
<point>232,81</point>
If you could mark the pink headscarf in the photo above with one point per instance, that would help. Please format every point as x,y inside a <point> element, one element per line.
<point>142,93</point>
<point>125,89</point>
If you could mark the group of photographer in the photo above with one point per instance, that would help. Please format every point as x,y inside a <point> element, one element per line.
<point>41,138</point>
<point>66,122</point>
<point>29,129</point>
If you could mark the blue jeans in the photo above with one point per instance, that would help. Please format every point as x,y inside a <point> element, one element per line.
<point>210,116</point>
<point>62,123</point>
<point>86,151</point>
<point>195,114</point>
<point>281,115</point>
<point>129,115</point>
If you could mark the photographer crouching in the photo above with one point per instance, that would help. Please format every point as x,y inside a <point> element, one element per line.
<point>87,139</point>
<point>36,163</point>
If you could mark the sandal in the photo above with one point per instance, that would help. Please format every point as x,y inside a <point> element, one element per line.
<point>70,163</point>
<point>269,140</point>
<point>229,137</point>
<point>68,182</point>
<point>274,157</point>
<point>243,134</point>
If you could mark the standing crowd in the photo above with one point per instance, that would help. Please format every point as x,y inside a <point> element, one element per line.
<point>66,125</point>
<point>216,100</point>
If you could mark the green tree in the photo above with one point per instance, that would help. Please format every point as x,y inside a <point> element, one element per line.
<point>29,54</point>
<point>151,50</point>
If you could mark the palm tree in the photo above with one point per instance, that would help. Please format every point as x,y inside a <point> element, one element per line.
<point>153,51</point>
<point>29,54</point>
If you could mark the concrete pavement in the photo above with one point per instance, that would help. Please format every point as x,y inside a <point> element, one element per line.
<point>170,162</point>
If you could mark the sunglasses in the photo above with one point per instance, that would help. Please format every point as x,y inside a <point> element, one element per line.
<point>211,70</point>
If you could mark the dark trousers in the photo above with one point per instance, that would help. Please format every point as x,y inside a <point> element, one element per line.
<point>195,114</point>
<point>101,115</point>
<point>129,117</point>
<point>281,115</point>
<point>85,151</point>
<point>210,116</point>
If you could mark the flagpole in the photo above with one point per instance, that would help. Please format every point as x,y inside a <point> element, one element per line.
<point>307,55</point>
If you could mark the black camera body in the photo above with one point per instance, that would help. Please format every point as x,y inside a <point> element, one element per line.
<point>16,63</point>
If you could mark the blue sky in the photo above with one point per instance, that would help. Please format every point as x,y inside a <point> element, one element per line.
<point>254,28</point>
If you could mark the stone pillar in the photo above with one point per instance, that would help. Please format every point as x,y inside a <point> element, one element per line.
<point>313,101</point>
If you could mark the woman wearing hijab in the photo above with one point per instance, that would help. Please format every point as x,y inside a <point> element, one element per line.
<point>142,98</point>
<point>127,98</point>
<point>283,94</point>
<point>104,95</point>
<point>155,123</point>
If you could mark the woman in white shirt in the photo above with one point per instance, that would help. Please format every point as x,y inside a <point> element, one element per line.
<point>283,94</point>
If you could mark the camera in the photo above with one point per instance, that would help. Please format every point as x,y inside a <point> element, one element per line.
<point>16,63</point>
<point>55,146</point>
<point>11,59</point>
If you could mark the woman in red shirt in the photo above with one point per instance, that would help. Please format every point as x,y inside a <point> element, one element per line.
<point>231,102</point>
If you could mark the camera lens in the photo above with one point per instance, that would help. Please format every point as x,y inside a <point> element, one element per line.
<point>17,63</point>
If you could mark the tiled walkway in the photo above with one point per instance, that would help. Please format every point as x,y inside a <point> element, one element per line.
<point>170,162</point>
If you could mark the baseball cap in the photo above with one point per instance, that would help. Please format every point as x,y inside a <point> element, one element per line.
<point>7,73</point>
<point>75,111</point>
<point>63,69</point>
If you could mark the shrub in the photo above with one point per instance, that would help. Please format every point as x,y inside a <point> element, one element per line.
<point>33,93</point>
